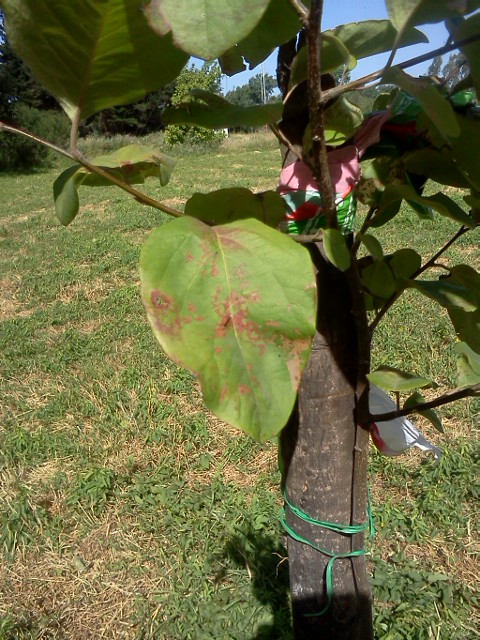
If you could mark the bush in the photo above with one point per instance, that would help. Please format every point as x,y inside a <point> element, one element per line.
<point>179,134</point>
<point>20,153</point>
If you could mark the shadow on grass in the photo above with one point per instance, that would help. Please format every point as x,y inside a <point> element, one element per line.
<point>266,560</point>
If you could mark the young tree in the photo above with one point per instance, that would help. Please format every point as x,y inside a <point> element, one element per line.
<point>206,78</point>
<point>240,303</point>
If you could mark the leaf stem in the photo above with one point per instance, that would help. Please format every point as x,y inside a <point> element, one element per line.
<point>301,10</point>
<point>76,156</point>
<point>451,396</point>
<point>430,263</point>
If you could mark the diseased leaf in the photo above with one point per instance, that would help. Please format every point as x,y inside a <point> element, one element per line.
<point>131,164</point>
<point>429,414</point>
<point>392,379</point>
<point>228,205</point>
<point>336,249</point>
<point>235,304</point>
<point>205,28</point>
<point>468,365</point>
<point>89,54</point>
<point>214,112</point>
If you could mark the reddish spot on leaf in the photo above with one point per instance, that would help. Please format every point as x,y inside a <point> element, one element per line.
<point>243,390</point>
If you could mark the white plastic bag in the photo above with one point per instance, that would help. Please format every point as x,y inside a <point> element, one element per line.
<point>394,437</point>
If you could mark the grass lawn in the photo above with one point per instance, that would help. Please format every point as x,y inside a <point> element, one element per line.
<point>126,509</point>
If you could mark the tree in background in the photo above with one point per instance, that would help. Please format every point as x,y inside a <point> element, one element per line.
<point>258,90</point>
<point>451,72</point>
<point>25,102</point>
<point>205,78</point>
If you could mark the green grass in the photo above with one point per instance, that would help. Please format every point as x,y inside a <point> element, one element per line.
<point>127,510</point>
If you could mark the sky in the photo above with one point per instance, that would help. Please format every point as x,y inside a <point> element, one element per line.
<point>338,12</point>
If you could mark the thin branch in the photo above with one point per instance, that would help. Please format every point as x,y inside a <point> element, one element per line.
<point>371,77</point>
<point>451,396</point>
<point>316,109</point>
<point>77,157</point>
<point>296,151</point>
<point>365,226</point>
<point>430,263</point>
<point>301,10</point>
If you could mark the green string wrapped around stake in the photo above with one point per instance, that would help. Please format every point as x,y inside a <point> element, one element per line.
<point>345,529</point>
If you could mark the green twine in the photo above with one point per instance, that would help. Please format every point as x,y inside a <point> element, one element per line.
<point>346,529</point>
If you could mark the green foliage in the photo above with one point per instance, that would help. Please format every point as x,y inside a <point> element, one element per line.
<point>206,78</point>
<point>20,154</point>
<point>131,164</point>
<point>105,47</point>
<point>205,30</point>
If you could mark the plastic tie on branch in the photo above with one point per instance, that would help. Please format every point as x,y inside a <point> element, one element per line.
<point>300,190</point>
<point>394,437</point>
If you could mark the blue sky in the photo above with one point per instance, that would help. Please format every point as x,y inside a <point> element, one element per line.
<point>339,12</point>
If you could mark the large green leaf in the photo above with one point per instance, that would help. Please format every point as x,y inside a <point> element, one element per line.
<point>467,323</point>
<point>278,25</point>
<point>205,28</point>
<point>404,263</point>
<point>446,293</point>
<point>436,106</point>
<point>236,305</point>
<point>131,164</point>
<point>468,365</point>
<point>367,38</point>
<point>336,248</point>
<point>415,12</point>
<point>228,205</point>
<point>91,54</point>
<point>439,202</point>
<point>467,29</point>
<point>429,414</point>
<point>334,55</point>
<point>392,379</point>
<point>464,149</point>
<point>378,279</point>
<point>214,112</point>
<point>437,165</point>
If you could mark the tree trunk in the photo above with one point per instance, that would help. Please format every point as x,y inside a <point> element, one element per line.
<point>325,455</point>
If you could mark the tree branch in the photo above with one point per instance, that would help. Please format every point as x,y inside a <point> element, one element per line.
<point>451,396</point>
<point>430,263</point>
<point>375,75</point>
<point>316,109</point>
<point>77,157</point>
